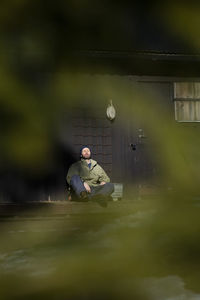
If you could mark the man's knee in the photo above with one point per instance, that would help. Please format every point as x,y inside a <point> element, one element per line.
<point>110,187</point>
<point>74,179</point>
<point>77,184</point>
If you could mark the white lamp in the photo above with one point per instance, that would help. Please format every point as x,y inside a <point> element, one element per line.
<point>110,112</point>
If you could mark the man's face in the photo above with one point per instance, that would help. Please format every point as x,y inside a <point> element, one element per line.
<point>86,153</point>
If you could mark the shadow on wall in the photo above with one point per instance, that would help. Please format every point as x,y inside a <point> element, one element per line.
<point>22,185</point>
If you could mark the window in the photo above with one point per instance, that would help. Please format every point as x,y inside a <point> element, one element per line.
<point>187,101</point>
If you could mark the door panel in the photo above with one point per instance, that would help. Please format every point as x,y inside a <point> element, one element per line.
<point>135,156</point>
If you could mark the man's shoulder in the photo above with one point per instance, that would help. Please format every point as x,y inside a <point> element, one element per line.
<point>94,162</point>
<point>96,165</point>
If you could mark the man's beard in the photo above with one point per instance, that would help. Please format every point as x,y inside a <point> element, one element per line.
<point>89,157</point>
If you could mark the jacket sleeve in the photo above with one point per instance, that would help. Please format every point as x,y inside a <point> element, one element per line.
<point>73,170</point>
<point>103,176</point>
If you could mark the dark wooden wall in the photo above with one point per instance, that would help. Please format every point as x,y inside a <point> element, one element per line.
<point>110,142</point>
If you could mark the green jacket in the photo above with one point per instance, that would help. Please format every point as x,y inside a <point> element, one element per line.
<point>92,176</point>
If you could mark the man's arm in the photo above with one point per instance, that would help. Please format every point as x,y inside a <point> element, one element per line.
<point>103,176</point>
<point>73,170</point>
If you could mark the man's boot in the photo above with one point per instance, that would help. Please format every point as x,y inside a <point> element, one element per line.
<point>84,196</point>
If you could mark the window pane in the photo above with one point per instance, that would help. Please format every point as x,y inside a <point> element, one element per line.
<point>187,111</point>
<point>187,90</point>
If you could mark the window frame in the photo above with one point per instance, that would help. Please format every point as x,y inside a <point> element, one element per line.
<point>185,99</point>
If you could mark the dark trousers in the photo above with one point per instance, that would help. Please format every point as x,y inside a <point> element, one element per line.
<point>78,186</point>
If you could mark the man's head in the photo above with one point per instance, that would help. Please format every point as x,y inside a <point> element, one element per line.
<point>85,152</point>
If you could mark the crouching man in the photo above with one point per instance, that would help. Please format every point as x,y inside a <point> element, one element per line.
<point>88,180</point>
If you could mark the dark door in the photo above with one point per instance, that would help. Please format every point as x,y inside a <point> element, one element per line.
<point>135,156</point>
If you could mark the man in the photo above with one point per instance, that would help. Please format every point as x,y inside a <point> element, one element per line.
<point>87,178</point>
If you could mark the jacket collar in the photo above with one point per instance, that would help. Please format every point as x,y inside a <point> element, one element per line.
<point>93,162</point>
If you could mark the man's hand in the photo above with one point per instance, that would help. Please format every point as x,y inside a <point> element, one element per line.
<point>102,183</point>
<point>87,187</point>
